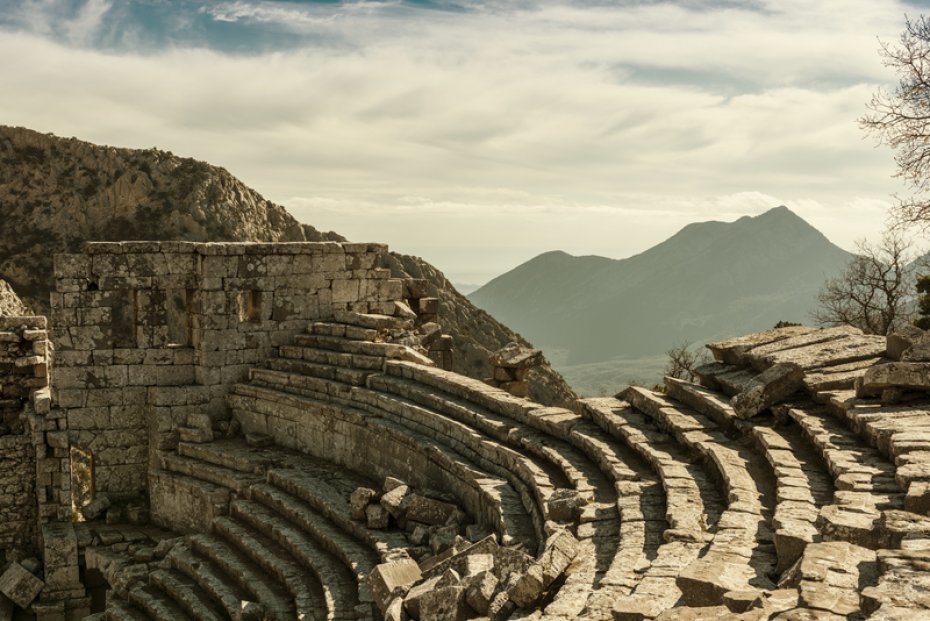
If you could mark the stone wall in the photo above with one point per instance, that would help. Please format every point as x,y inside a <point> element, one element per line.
<point>149,336</point>
<point>24,402</point>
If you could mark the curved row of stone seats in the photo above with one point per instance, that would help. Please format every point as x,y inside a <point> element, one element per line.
<point>693,506</point>
<point>361,441</point>
<point>223,589</point>
<point>741,555</point>
<point>803,484</point>
<point>864,480</point>
<point>185,592</point>
<point>593,453</point>
<point>340,589</point>
<point>434,414</point>
<point>304,491</point>
<point>900,431</point>
<point>595,470</point>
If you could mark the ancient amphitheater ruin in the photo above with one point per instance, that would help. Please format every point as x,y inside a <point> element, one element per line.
<point>266,431</point>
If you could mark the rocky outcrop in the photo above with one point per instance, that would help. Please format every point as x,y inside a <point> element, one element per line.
<point>63,192</point>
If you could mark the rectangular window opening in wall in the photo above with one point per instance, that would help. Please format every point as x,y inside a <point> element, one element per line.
<point>250,305</point>
<point>82,481</point>
<point>178,311</point>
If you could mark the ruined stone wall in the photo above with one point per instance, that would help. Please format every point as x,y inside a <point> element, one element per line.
<point>150,336</point>
<point>24,362</point>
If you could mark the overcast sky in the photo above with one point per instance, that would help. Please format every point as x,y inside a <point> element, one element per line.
<point>479,134</point>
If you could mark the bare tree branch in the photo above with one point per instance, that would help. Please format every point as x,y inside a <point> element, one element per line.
<point>874,291</point>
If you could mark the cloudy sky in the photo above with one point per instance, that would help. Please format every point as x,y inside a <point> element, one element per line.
<point>479,134</point>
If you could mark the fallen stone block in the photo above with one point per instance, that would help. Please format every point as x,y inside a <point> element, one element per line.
<point>389,580</point>
<point>480,592</point>
<point>359,500</point>
<point>564,505</point>
<point>395,501</point>
<point>773,385</point>
<point>96,507</point>
<point>20,586</point>
<point>561,549</point>
<point>515,356</point>
<point>918,498</point>
<point>911,375</point>
<point>416,593</point>
<point>429,511</point>
<point>377,517</point>
<point>445,604</point>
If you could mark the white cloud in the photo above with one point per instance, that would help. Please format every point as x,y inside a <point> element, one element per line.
<point>479,139</point>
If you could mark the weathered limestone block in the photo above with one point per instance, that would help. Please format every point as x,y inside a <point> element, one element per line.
<point>910,375</point>
<point>395,501</point>
<point>561,549</point>
<point>96,507</point>
<point>377,517</point>
<point>775,384</point>
<point>515,356</point>
<point>20,586</point>
<point>445,604</point>
<point>565,504</point>
<point>480,592</point>
<point>901,340</point>
<point>428,510</point>
<point>359,500</point>
<point>388,580</point>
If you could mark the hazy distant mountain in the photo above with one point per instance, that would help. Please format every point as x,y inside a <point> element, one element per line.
<point>710,280</point>
<point>57,193</point>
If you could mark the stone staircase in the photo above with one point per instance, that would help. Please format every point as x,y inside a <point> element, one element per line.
<point>682,506</point>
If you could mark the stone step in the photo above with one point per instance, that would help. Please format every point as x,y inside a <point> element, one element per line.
<point>692,507</point>
<point>345,330</point>
<point>729,379</point>
<point>330,357</point>
<point>329,372</point>
<point>524,474</point>
<point>838,376</point>
<point>358,558</point>
<point>491,500</point>
<point>901,587</point>
<point>186,594</point>
<point>123,611</point>
<point>741,555</point>
<point>803,485</point>
<point>227,454</point>
<point>761,355</point>
<point>349,346</point>
<point>863,478</point>
<point>210,578</point>
<point>157,604</point>
<point>298,383</point>
<point>343,576</point>
<point>252,579</point>
<point>702,399</point>
<point>235,480</point>
<point>556,422</point>
<point>273,560</point>
<point>503,429</point>
<point>688,491</point>
<point>328,502</point>
<point>373,321</point>
<point>830,575</point>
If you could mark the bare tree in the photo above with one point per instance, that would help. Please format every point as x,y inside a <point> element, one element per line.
<point>874,292</point>
<point>901,118</point>
<point>683,360</point>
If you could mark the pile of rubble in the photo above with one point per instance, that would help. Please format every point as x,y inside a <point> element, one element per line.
<point>482,579</point>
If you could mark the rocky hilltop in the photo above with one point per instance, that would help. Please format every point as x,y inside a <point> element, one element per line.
<point>63,192</point>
